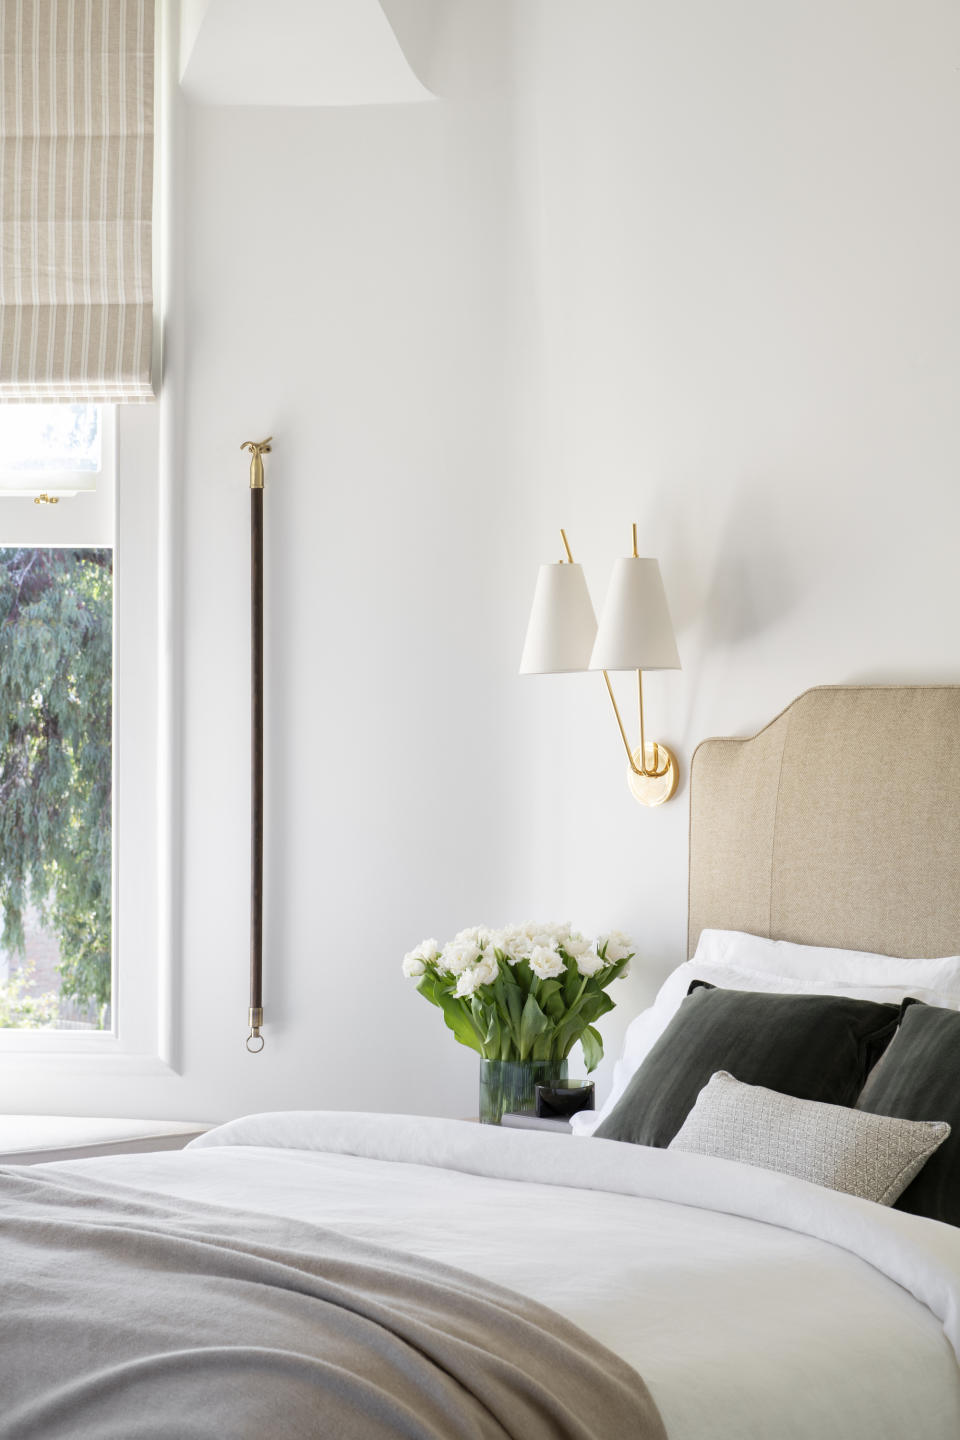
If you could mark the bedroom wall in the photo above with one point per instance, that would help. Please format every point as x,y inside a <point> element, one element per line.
<point>342,279</point>
<point>688,265</point>
<point>745,314</point>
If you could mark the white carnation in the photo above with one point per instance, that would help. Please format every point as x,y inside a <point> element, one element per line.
<point>546,962</point>
<point>459,955</point>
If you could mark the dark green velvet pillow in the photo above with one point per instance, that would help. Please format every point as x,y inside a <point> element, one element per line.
<point>814,1047</point>
<point>919,1079</point>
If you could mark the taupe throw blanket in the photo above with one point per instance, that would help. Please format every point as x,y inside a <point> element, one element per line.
<point>124,1317</point>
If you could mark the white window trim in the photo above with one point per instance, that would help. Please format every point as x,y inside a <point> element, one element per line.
<point>141,1040</point>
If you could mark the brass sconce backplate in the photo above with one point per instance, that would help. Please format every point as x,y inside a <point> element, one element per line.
<point>653,789</point>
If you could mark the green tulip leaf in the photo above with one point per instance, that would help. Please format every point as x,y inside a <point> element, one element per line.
<point>592,1048</point>
<point>533,1023</point>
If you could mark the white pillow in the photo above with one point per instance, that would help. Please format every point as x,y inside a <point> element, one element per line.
<point>733,960</point>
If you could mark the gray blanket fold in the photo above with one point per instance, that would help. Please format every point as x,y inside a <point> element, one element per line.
<point>125,1317</point>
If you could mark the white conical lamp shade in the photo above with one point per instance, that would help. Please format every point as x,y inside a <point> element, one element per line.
<point>562,625</point>
<point>635,631</point>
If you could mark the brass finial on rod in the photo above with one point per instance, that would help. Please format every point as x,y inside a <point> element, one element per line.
<point>257,448</point>
<point>566,545</point>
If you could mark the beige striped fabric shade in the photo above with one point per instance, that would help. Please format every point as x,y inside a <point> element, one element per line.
<point>76,190</point>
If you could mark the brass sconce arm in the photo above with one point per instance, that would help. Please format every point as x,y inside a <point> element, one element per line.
<point>654,772</point>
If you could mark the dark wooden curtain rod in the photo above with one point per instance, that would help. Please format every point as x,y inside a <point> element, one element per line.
<point>257,448</point>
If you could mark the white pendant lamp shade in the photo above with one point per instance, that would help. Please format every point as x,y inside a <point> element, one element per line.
<point>562,626</point>
<point>635,631</point>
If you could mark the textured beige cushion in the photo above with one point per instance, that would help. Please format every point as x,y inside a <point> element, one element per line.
<point>872,1156</point>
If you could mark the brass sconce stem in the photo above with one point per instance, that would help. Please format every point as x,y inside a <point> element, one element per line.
<point>656,772</point>
<point>623,733</point>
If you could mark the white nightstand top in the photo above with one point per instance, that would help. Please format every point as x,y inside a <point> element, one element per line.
<point>516,1121</point>
<point>34,1139</point>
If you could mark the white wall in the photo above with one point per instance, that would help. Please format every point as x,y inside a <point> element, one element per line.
<point>360,313</point>
<point>700,274</point>
<point>748,315</point>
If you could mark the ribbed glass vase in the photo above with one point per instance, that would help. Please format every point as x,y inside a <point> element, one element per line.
<point>510,1085</point>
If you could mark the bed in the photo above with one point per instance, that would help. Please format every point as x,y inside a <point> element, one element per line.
<point>751,1303</point>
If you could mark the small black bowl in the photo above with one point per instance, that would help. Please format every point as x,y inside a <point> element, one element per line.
<point>559,1102</point>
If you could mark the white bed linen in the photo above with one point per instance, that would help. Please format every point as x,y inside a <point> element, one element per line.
<point>734,960</point>
<point>753,1304</point>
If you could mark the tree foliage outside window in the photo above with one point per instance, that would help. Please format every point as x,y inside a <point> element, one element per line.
<point>56,697</point>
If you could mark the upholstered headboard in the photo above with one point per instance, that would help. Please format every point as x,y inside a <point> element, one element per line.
<point>838,824</point>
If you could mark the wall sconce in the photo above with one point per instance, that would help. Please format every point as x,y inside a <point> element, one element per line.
<point>635,633</point>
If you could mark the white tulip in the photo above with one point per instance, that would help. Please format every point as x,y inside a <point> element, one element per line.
<point>589,962</point>
<point>459,955</point>
<point>473,935</point>
<point>546,962</point>
<point>619,946</point>
<point>466,984</point>
<point>486,968</point>
<point>484,972</point>
<point>414,962</point>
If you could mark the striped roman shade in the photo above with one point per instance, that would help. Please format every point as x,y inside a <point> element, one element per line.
<point>76,189</point>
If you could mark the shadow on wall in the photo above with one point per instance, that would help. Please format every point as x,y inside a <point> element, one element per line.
<point>752,588</point>
<point>459,49</point>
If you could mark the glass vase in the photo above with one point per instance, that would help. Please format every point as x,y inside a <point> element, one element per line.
<point>510,1085</point>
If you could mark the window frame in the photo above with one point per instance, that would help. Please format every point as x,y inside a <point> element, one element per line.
<point>138,1040</point>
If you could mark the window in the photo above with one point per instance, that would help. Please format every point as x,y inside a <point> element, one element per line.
<point>53,448</point>
<point>56,727</point>
<point>85,345</point>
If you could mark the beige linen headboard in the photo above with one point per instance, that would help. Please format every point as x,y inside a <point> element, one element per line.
<point>839,824</point>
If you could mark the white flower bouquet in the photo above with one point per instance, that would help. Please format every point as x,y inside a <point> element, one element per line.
<point>528,992</point>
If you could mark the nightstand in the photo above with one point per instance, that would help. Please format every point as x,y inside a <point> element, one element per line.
<point>514,1120</point>
<point>35,1139</point>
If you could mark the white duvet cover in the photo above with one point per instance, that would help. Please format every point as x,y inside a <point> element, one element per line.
<point>753,1304</point>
